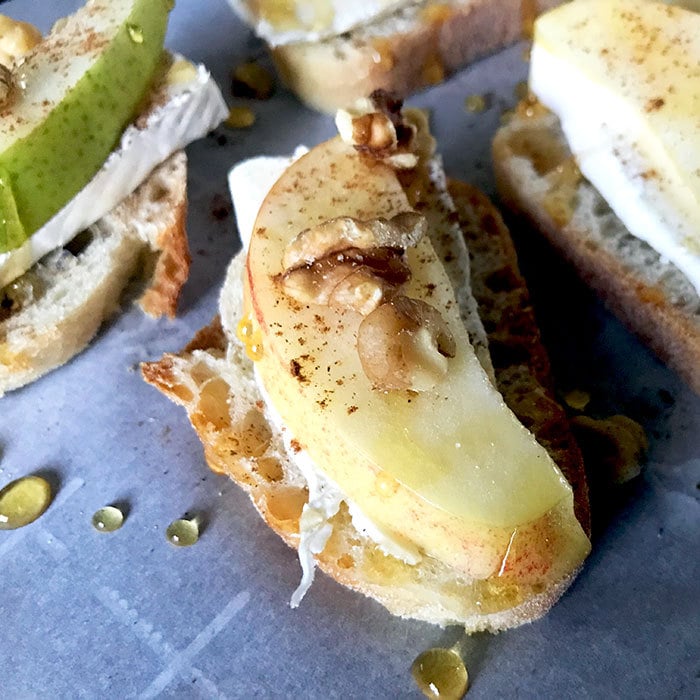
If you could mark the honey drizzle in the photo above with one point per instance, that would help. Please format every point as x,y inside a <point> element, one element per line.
<point>441,673</point>
<point>250,336</point>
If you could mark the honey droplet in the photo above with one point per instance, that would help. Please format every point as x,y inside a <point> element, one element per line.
<point>22,501</point>
<point>577,399</point>
<point>244,329</point>
<point>251,80</point>
<point>254,351</point>
<point>240,118</point>
<point>251,337</point>
<point>475,103</point>
<point>183,532</point>
<point>440,673</point>
<point>135,33</point>
<point>108,519</point>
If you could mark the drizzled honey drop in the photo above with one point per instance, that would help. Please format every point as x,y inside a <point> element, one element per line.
<point>244,329</point>
<point>251,338</point>
<point>22,501</point>
<point>254,351</point>
<point>441,673</point>
<point>183,532</point>
<point>577,399</point>
<point>108,519</point>
<point>475,103</point>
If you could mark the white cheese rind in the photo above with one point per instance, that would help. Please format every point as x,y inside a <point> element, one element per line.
<point>643,159</point>
<point>250,181</point>
<point>192,109</point>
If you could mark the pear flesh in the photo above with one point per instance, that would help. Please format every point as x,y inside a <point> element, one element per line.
<point>74,94</point>
<point>450,468</point>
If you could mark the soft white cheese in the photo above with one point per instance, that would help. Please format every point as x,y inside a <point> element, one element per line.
<point>249,183</point>
<point>186,111</point>
<point>624,79</point>
<point>286,22</point>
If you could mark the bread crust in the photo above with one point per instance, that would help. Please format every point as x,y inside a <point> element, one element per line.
<point>214,380</point>
<point>77,287</point>
<point>637,285</point>
<point>409,51</point>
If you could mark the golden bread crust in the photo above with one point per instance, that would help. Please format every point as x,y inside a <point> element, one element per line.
<point>77,287</point>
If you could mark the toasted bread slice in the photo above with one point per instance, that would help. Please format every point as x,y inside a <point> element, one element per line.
<point>648,293</point>
<point>409,50</point>
<point>214,380</point>
<point>52,311</point>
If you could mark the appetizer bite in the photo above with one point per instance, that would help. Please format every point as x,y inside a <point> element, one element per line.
<point>92,175</point>
<point>332,53</point>
<point>604,159</point>
<point>348,387</point>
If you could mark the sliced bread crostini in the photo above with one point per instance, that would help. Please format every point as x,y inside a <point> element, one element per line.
<point>214,379</point>
<point>537,177</point>
<point>417,46</point>
<point>52,311</point>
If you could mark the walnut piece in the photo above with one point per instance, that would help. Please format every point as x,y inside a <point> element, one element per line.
<point>7,87</point>
<point>377,126</point>
<point>401,231</point>
<point>404,344</point>
<point>347,263</point>
<point>351,278</point>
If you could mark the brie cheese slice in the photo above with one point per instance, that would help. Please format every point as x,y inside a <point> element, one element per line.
<point>186,108</point>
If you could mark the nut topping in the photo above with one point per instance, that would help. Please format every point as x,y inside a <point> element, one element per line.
<point>351,278</point>
<point>404,344</point>
<point>401,231</point>
<point>347,263</point>
<point>377,127</point>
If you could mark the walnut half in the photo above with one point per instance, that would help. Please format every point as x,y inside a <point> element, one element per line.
<point>404,344</point>
<point>347,263</point>
<point>377,127</point>
<point>401,231</point>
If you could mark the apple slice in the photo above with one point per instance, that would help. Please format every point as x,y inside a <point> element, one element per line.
<point>73,95</point>
<point>448,467</point>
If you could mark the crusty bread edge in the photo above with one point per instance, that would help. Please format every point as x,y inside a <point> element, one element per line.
<point>332,74</point>
<point>642,308</point>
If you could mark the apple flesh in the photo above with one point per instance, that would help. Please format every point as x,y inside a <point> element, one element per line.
<point>449,468</point>
<point>75,92</point>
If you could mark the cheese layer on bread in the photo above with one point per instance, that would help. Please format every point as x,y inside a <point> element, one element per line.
<point>185,107</point>
<point>624,79</point>
<point>284,21</point>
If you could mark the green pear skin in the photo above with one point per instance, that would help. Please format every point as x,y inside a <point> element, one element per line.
<point>77,91</point>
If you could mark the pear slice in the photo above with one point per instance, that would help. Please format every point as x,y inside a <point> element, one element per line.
<point>449,468</point>
<point>74,93</point>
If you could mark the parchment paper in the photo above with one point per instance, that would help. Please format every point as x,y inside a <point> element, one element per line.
<point>90,615</point>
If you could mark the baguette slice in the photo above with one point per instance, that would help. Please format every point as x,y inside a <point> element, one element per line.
<point>214,380</point>
<point>407,51</point>
<point>651,296</point>
<point>52,311</point>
